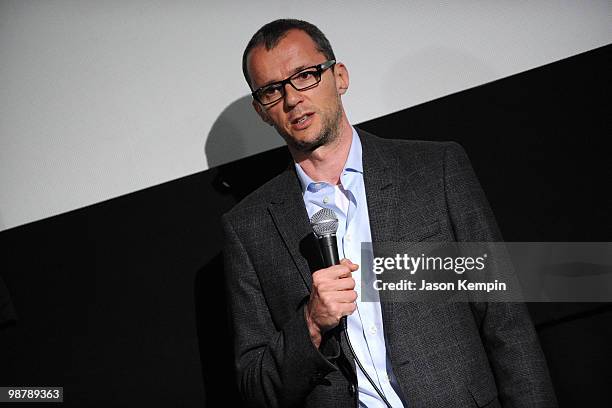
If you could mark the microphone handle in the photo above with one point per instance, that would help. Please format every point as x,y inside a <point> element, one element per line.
<point>329,250</point>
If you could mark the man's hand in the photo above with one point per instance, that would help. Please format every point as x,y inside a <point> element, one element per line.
<point>332,297</point>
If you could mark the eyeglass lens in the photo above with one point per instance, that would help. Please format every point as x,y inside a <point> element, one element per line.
<point>300,81</point>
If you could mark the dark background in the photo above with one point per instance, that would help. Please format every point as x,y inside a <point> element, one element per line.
<point>122,302</point>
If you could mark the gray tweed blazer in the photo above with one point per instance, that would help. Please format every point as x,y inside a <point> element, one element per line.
<point>444,355</point>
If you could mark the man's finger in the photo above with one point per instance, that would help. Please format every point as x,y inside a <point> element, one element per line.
<point>340,284</point>
<point>333,272</point>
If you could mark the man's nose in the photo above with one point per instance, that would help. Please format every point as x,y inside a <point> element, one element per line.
<point>292,95</point>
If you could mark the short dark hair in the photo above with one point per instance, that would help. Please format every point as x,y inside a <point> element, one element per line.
<point>271,33</point>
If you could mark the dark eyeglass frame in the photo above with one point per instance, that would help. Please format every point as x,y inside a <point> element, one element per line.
<point>320,68</point>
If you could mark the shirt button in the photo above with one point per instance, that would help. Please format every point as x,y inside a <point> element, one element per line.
<point>348,237</point>
<point>325,200</point>
<point>373,329</point>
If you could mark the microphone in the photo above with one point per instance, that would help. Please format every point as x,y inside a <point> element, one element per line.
<point>325,224</point>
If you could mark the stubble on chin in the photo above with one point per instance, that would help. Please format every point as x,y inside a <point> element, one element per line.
<point>329,133</point>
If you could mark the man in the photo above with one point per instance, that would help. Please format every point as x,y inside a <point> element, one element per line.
<point>286,308</point>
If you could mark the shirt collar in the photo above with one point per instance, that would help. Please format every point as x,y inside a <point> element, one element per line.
<point>353,163</point>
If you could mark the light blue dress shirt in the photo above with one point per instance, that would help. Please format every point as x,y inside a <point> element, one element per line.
<point>365,325</point>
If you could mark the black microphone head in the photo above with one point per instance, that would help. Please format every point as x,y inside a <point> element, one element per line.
<point>324,222</point>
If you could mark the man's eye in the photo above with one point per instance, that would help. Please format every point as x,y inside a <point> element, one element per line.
<point>305,75</point>
<point>271,90</point>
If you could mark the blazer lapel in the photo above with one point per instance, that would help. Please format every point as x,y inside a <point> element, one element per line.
<point>380,180</point>
<point>395,215</point>
<point>291,220</point>
<point>395,208</point>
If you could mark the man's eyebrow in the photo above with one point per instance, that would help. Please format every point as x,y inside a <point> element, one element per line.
<point>300,68</point>
<point>295,71</point>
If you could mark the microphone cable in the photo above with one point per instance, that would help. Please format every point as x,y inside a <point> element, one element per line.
<point>344,323</point>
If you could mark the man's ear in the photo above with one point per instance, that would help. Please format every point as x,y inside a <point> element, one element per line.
<point>262,112</point>
<point>342,78</point>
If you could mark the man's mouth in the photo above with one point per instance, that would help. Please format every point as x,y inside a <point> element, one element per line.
<point>302,122</point>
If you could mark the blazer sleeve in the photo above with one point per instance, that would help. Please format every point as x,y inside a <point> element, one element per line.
<point>506,329</point>
<point>275,368</point>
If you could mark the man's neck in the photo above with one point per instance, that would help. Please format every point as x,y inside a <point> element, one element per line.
<point>326,162</point>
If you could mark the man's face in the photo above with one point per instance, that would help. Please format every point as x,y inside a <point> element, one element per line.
<point>305,119</point>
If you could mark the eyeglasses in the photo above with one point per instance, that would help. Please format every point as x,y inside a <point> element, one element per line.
<point>301,81</point>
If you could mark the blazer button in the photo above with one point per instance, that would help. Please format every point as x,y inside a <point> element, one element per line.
<point>351,389</point>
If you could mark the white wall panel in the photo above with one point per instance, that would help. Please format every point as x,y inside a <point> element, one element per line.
<point>100,99</point>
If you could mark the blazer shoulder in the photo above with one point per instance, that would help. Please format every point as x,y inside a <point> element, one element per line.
<point>415,151</point>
